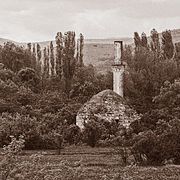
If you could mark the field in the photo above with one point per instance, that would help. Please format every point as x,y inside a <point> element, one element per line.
<point>89,163</point>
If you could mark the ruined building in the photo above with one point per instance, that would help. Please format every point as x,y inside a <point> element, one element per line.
<point>109,105</point>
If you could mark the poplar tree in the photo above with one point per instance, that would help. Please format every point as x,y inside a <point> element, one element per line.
<point>59,48</point>
<point>81,45</point>
<point>46,64</point>
<point>29,47</point>
<point>167,44</point>
<point>177,49</point>
<point>52,59</point>
<point>33,58</point>
<point>34,49</point>
<point>137,41</point>
<point>39,55</point>
<point>155,44</point>
<point>77,52</point>
<point>69,60</point>
<point>144,41</point>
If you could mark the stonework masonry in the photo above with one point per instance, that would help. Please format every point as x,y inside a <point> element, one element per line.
<point>118,68</point>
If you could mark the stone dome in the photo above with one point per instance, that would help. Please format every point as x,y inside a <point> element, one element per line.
<point>108,106</point>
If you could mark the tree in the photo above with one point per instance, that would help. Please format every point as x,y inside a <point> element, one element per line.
<point>34,49</point>
<point>46,64</point>
<point>155,44</point>
<point>144,40</point>
<point>87,82</point>
<point>59,48</point>
<point>29,45</point>
<point>137,41</point>
<point>80,50</point>
<point>38,52</point>
<point>69,61</point>
<point>16,57</point>
<point>39,55</point>
<point>159,129</point>
<point>167,44</point>
<point>145,75</point>
<point>177,57</point>
<point>29,78</point>
<point>168,98</point>
<point>52,59</point>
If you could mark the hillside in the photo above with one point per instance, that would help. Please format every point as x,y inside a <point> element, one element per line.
<point>99,52</point>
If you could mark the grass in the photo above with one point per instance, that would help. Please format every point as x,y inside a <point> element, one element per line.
<point>97,163</point>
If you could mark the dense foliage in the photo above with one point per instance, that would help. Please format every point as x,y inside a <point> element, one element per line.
<point>152,86</point>
<point>41,91</point>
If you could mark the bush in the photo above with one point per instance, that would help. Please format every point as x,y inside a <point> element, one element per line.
<point>160,145</point>
<point>29,78</point>
<point>72,134</point>
<point>9,161</point>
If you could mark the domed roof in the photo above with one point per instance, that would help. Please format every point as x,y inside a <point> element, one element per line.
<point>108,106</point>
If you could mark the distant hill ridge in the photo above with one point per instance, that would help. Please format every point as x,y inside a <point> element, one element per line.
<point>127,40</point>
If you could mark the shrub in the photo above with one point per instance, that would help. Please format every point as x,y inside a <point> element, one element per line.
<point>10,153</point>
<point>72,134</point>
<point>28,77</point>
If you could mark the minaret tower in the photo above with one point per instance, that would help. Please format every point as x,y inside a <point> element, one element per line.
<point>118,68</point>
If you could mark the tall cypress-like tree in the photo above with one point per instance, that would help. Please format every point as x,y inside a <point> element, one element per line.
<point>69,60</point>
<point>177,49</point>
<point>144,41</point>
<point>81,45</point>
<point>59,48</point>
<point>39,55</point>
<point>155,44</point>
<point>167,44</point>
<point>34,49</point>
<point>77,51</point>
<point>52,59</point>
<point>137,41</point>
<point>29,47</point>
<point>33,59</point>
<point>46,63</point>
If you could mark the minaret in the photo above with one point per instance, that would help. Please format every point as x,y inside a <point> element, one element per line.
<point>118,68</point>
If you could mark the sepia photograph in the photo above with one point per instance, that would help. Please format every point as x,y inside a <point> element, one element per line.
<point>89,89</point>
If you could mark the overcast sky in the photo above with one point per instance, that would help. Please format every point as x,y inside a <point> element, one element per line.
<point>39,20</point>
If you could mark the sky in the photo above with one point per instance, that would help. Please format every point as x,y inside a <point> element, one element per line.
<point>40,20</point>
